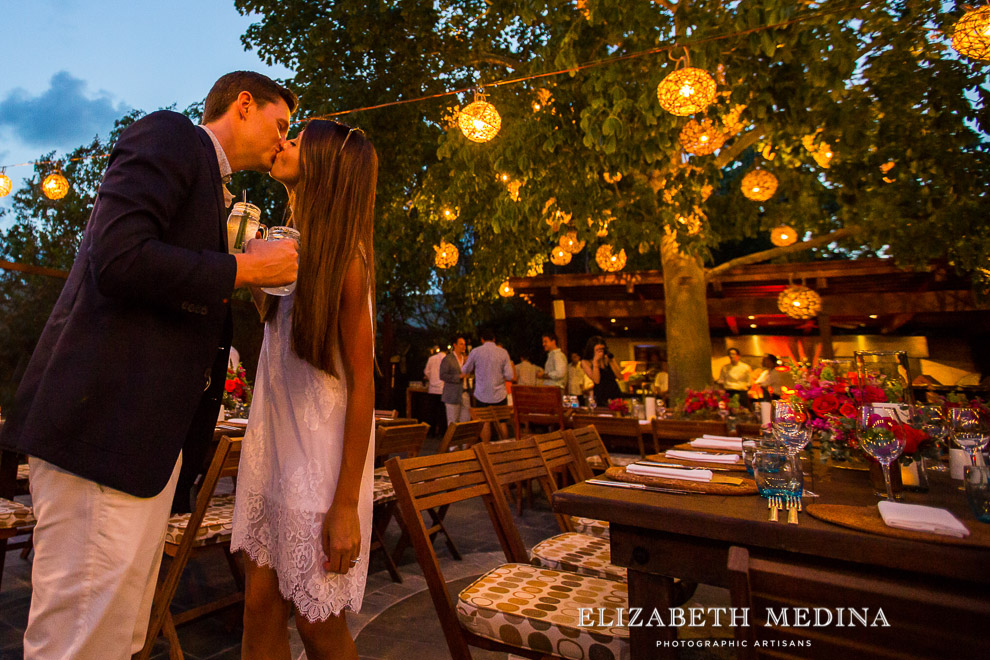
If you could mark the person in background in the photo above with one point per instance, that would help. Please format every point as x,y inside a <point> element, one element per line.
<point>434,390</point>
<point>737,377</point>
<point>600,366</point>
<point>554,372</point>
<point>578,383</point>
<point>771,380</point>
<point>661,381</point>
<point>491,367</point>
<point>455,398</point>
<point>526,372</point>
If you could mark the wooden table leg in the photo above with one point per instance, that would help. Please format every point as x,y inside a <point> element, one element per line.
<point>648,591</point>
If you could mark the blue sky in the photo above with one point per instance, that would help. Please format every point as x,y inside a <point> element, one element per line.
<point>71,67</point>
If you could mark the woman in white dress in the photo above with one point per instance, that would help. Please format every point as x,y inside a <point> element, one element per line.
<point>303,506</point>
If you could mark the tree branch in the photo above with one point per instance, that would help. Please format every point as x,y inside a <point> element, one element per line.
<point>493,58</point>
<point>666,4</point>
<point>740,145</point>
<point>773,253</point>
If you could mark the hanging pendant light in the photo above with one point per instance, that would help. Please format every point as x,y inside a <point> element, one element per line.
<point>783,236</point>
<point>479,121</point>
<point>971,34</point>
<point>610,261</point>
<point>446,254</point>
<point>560,257</point>
<point>55,185</point>
<point>759,185</point>
<point>6,185</point>
<point>799,302</point>
<point>701,137</point>
<point>686,91</point>
<point>505,290</point>
<point>570,242</point>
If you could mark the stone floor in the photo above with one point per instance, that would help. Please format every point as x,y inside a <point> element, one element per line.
<point>396,622</point>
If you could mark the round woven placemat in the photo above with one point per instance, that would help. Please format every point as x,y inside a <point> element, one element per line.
<point>663,458</point>
<point>868,519</point>
<point>747,487</point>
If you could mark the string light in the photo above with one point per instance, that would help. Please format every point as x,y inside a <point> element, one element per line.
<point>6,185</point>
<point>505,290</point>
<point>686,91</point>
<point>799,302</point>
<point>479,121</point>
<point>55,186</point>
<point>451,212</point>
<point>610,261</point>
<point>759,185</point>
<point>446,256</point>
<point>971,34</point>
<point>783,236</point>
<point>560,257</point>
<point>701,138</point>
<point>570,242</point>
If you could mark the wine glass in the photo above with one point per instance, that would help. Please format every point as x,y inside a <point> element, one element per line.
<point>875,431</point>
<point>933,422</point>
<point>789,422</point>
<point>970,430</point>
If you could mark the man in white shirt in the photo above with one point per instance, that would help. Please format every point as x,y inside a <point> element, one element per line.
<point>526,372</point>
<point>736,377</point>
<point>434,389</point>
<point>578,382</point>
<point>554,373</point>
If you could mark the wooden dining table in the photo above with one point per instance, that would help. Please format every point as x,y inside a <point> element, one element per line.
<point>662,536</point>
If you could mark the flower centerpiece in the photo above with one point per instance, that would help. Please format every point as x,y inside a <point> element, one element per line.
<point>618,406</point>
<point>237,391</point>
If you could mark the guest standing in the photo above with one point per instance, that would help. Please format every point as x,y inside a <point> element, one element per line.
<point>491,367</point>
<point>434,391</point>
<point>599,364</point>
<point>527,373</point>
<point>554,372</point>
<point>455,398</point>
<point>736,377</point>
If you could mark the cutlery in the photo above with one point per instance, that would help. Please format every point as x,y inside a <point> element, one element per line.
<point>625,484</point>
<point>682,466</point>
<point>774,509</point>
<point>793,506</point>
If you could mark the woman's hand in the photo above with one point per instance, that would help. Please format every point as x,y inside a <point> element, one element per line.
<point>341,538</point>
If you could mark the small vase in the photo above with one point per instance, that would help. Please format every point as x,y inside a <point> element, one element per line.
<point>878,483</point>
<point>914,476</point>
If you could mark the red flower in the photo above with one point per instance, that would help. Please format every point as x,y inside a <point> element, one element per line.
<point>874,394</point>
<point>230,385</point>
<point>847,410</point>
<point>825,404</point>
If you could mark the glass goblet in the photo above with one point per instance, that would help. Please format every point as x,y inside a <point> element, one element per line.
<point>970,430</point>
<point>933,422</point>
<point>789,422</point>
<point>879,436</point>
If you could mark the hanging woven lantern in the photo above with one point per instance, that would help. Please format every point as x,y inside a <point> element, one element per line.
<point>732,121</point>
<point>759,185</point>
<point>823,155</point>
<point>5,183</point>
<point>691,222</point>
<point>505,290</point>
<point>446,255</point>
<point>610,261</point>
<point>783,236</point>
<point>570,242</point>
<point>799,302</point>
<point>559,256</point>
<point>55,186</point>
<point>686,91</point>
<point>450,212</point>
<point>479,121</point>
<point>971,35</point>
<point>514,187</point>
<point>612,178</point>
<point>701,137</point>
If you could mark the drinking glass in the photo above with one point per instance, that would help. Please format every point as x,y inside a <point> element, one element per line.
<point>279,234</point>
<point>933,422</point>
<point>789,421</point>
<point>875,431</point>
<point>887,370</point>
<point>970,430</point>
<point>777,473</point>
<point>978,491</point>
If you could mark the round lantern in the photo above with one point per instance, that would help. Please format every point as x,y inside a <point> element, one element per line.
<point>479,121</point>
<point>5,183</point>
<point>55,186</point>
<point>732,121</point>
<point>505,290</point>
<point>610,261</point>
<point>686,91</point>
<point>560,257</point>
<point>783,236</point>
<point>612,178</point>
<point>799,302</point>
<point>570,242</point>
<point>691,222</point>
<point>971,35</point>
<point>446,255</point>
<point>823,155</point>
<point>701,137</point>
<point>451,212</point>
<point>759,185</point>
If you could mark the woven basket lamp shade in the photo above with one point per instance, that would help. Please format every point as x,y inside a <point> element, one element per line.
<point>570,242</point>
<point>479,121</point>
<point>971,35</point>
<point>505,290</point>
<point>451,212</point>
<point>701,137</point>
<point>5,184</point>
<point>610,261</point>
<point>783,236</point>
<point>799,302</point>
<point>446,255</point>
<point>686,91</point>
<point>55,186</point>
<point>560,257</point>
<point>759,185</point>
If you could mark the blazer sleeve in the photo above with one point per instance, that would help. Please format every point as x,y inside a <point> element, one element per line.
<point>450,371</point>
<point>153,167</point>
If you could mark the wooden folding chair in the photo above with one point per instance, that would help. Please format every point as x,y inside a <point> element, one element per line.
<point>385,414</point>
<point>676,431</point>
<point>927,618</point>
<point>617,427</point>
<point>496,417</point>
<point>397,421</point>
<point>461,435</point>
<point>585,441</point>
<point>208,526</point>
<point>537,405</point>
<point>487,615</point>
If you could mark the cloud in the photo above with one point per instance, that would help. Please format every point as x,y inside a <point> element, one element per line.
<point>63,115</point>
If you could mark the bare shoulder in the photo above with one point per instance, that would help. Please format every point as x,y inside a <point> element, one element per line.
<point>355,288</point>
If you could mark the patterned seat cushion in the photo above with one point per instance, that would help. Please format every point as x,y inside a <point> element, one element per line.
<point>23,472</point>
<point>384,492</point>
<point>216,526</point>
<point>14,515</point>
<point>590,526</point>
<point>540,609</point>
<point>578,553</point>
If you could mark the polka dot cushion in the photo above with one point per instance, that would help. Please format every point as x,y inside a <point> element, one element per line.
<point>384,492</point>
<point>590,526</point>
<point>541,609</point>
<point>578,553</point>
<point>217,525</point>
<point>14,515</point>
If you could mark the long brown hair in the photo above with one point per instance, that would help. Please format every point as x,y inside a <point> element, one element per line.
<point>333,208</point>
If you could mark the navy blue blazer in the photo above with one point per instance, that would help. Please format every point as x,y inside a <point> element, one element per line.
<point>136,347</point>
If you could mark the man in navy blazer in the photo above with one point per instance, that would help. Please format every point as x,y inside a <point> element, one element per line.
<point>130,368</point>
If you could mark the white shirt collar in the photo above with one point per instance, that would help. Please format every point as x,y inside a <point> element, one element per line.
<point>225,170</point>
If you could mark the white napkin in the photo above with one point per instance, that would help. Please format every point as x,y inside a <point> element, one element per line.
<point>919,518</point>
<point>238,420</point>
<point>686,474</point>
<point>702,456</point>
<point>732,444</point>
<point>709,436</point>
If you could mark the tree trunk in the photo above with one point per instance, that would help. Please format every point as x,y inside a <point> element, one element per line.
<point>689,344</point>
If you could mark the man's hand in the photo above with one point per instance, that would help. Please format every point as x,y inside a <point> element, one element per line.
<point>267,263</point>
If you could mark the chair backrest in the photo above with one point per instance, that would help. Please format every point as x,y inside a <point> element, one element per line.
<point>386,414</point>
<point>427,482</point>
<point>461,435</point>
<point>749,429</point>
<point>496,417</point>
<point>558,455</point>
<point>543,405</point>
<point>585,441</point>
<point>615,427</point>
<point>927,619</point>
<point>404,440</point>
<point>682,430</point>
<point>396,421</point>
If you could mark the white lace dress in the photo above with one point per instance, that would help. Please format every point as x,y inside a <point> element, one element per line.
<point>290,459</point>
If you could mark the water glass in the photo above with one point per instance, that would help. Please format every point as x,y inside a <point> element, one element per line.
<point>935,424</point>
<point>243,224</point>
<point>777,473</point>
<point>978,491</point>
<point>278,234</point>
<point>970,430</point>
<point>789,422</point>
<point>875,432</point>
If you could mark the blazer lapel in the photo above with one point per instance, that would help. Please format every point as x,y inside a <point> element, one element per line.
<point>214,167</point>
